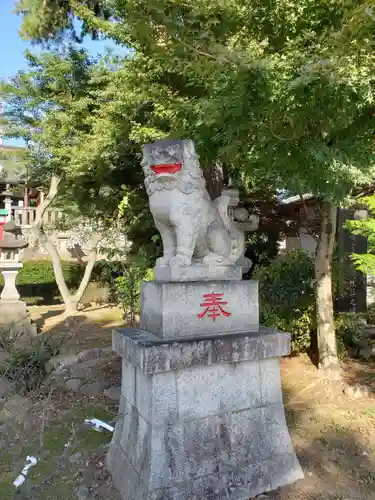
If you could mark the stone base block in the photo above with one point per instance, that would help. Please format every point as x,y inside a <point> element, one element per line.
<point>201,419</point>
<point>198,272</point>
<point>181,309</point>
<point>15,317</point>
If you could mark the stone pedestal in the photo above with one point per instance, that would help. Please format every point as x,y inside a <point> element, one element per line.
<point>201,418</point>
<point>10,270</point>
<point>186,309</point>
<point>13,312</point>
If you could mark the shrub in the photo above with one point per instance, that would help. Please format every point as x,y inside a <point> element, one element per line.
<point>128,289</point>
<point>25,366</point>
<point>38,272</point>
<point>106,272</point>
<point>36,281</point>
<point>371,314</point>
<point>287,302</point>
<point>286,293</point>
<point>350,332</point>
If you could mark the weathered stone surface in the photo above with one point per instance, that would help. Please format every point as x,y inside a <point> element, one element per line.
<point>13,312</point>
<point>193,228</point>
<point>60,362</point>
<point>367,352</point>
<point>200,460</point>
<point>73,384</point>
<point>94,388</point>
<point>156,397</point>
<point>154,355</point>
<point>83,493</point>
<point>15,318</point>
<point>212,428</point>
<point>76,457</point>
<point>218,388</point>
<point>78,365</point>
<point>270,383</point>
<point>128,381</point>
<point>113,393</point>
<point>173,309</point>
<point>198,272</point>
<point>95,353</point>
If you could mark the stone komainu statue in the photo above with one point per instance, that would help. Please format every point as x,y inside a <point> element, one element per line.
<point>194,229</point>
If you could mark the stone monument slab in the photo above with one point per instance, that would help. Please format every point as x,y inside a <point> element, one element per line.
<point>179,309</point>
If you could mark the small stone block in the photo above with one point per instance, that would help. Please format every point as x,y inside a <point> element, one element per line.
<point>198,272</point>
<point>181,309</point>
<point>15,317</point>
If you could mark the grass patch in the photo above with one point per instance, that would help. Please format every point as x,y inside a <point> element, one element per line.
<point>370,411</point>
<point>55,477</point>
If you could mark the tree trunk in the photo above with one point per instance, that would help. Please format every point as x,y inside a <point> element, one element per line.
<point>328,360</point>
<point>71,301</point>
<point>57,268</point>
<point>214,180</point>
<point>87,274</point>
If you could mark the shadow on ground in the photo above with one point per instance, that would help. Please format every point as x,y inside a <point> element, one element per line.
<point>357,371</point>
<point>91,327</point>
<point>334,437</point>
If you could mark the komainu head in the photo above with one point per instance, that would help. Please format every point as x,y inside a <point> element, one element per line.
<point>169,164</point>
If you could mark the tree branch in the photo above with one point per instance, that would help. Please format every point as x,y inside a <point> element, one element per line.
<point>42,208</point>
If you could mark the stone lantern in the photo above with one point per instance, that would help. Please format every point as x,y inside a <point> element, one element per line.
<point>13,311</point>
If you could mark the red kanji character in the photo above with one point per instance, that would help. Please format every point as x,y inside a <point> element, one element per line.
<point>213,304</point>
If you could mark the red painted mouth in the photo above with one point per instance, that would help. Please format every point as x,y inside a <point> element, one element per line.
<point>166,168</point>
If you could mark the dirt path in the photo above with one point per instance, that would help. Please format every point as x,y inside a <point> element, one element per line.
<point>334,435</point>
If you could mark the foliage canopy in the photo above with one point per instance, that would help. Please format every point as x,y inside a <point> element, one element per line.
<point>284,90</point>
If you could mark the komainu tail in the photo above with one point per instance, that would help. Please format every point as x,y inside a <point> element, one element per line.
<point>237,237</point>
